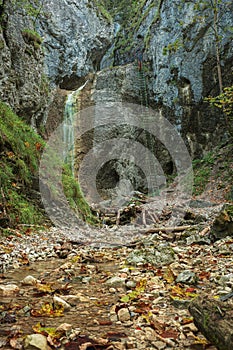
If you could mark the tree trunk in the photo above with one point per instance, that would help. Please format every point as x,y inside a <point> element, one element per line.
<point>214,319</point>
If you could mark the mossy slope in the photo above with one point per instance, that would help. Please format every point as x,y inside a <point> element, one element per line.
<point>20,150</point>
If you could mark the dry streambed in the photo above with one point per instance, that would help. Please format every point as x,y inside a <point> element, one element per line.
<point>114,298</point>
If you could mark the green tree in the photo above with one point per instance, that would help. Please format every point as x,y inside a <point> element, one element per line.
<point>224,101</point>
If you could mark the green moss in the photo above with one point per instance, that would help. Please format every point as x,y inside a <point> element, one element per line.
<point>32,36</point>
<point>20,148</point>
<point>76,198</point>
<point>101,9</point>
<point>202,170</point>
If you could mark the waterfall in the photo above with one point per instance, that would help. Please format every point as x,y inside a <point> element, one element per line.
<point>68,129</point>
<point>71,108</point>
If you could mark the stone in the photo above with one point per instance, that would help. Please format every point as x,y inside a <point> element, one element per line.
<point>123,315</point>
<point>72,300</point>
<point>159,345</point>
<point>60,302</point>
<point>187,277</point>
<point>116,281</point>
<point>36,342</point>
<point>64,327</point>
<point>9,290</point>
<point>29,281</point>
<point>223,223</point>
<point>71,57</point>
<point>162,255</point>
<point>130,284</point>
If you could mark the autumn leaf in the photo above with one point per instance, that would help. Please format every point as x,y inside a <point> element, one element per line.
<point>169,334</point>
<point>44,288</point>
<point>169,275</point>
<point>38,146</point>
<point>47,309</point>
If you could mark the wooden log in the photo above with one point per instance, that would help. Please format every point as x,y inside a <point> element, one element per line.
<point>214,319</point>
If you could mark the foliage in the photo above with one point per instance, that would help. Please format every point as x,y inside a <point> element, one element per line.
<point>32,8</point>
<point>173,47</point>
<point>224,101</point>
<point>102,10</point>
<point>75,196</point>
<point>31,36</point>
<point>202,170</point>
<point>20,149</point>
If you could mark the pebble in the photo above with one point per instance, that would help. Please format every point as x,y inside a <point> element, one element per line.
<point>9,290</point>
<point>60,302</point>
<point>35,341</point>
<point>159,345</point>
<point>186,277</point>
<point>29,281</point>
<point>123,315</point>
<point>116,281</point>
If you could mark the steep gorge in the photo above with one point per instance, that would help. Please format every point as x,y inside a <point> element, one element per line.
<point>85,41</point>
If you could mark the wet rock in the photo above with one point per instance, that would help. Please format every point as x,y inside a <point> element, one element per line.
<point>186,276</point>
<point>9,290</point>
<point>123,315</point>
<point>29,281</point>
<point>36,342</point>
<point>60,302</point>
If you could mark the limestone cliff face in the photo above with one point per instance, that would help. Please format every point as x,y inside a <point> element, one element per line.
<point>179,53</point>
<point>22,82</point>
<point>75,37</point>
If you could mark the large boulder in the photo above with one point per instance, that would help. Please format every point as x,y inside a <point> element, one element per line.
<point>223,223</point>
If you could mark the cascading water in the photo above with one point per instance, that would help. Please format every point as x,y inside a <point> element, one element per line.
<point>71,108</point>
<point>68,129</point>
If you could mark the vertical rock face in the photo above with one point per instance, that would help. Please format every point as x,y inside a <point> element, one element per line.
<point>179,53</point>
<point>75,37</point>
<point>183,53</point>
<point>22,81</point>
<point>114,96</point>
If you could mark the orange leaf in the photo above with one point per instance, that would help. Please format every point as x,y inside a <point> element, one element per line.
<point>169,334</point>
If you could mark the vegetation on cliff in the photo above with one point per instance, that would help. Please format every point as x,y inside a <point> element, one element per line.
<point>20,149</point>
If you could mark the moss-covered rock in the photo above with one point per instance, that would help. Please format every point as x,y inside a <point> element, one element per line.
<point>223,223</point>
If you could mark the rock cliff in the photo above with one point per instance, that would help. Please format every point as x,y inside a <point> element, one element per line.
<point>75,37</point>
<point>45,45</point>
<point>23,84</point>
<point>177,42</point>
